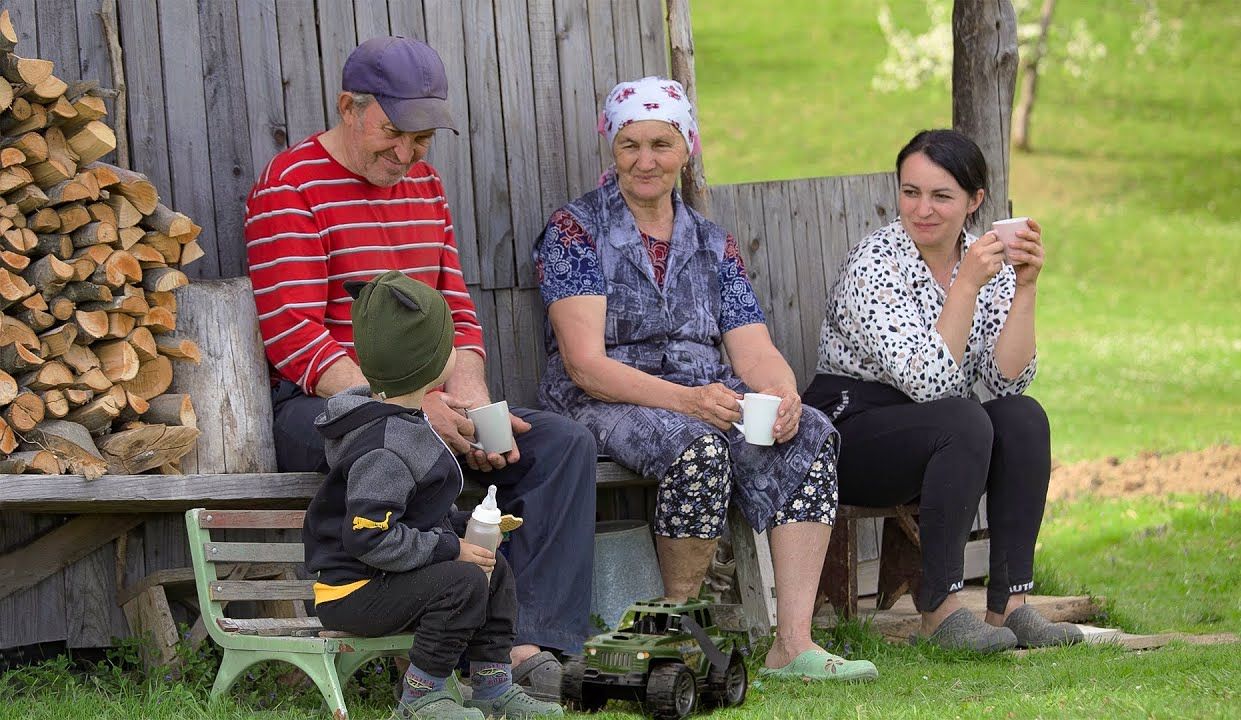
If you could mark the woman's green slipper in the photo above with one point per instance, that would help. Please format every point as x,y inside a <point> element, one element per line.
<point>822,665</point>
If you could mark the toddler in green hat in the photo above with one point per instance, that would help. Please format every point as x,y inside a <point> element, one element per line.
<point>383,532</point>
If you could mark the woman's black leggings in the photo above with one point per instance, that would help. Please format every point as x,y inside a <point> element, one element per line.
<point>947,453</point>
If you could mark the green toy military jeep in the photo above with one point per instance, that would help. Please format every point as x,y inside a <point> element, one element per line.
<point>665,656</point>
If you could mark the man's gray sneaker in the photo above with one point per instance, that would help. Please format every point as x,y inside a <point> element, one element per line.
<point>962,630</point>
<point>1033,630</point>
<point>540,675</point>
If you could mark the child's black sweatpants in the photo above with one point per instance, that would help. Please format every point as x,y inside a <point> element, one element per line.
<point>449,607</point>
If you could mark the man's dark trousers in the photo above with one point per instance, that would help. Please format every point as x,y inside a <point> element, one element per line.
<point>552,487</point>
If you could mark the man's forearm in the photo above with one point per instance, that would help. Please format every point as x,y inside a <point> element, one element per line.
<point>469,379</point>
<point>340,375</point>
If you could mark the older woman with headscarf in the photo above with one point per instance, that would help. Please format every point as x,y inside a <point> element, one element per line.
<point>642,295</point>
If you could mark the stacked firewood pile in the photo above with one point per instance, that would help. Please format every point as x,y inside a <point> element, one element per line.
<point>89,261</point>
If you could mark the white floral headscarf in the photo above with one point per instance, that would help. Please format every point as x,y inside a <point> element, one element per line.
<point>651,98</point>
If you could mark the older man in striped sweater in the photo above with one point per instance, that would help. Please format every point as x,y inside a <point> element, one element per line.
<point>358,200</point>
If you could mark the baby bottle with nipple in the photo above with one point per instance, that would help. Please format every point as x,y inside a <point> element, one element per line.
<point>483,529</point>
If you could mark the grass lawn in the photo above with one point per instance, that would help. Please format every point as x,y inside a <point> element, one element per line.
<point>1136,179</point>
<point>1116,548</point>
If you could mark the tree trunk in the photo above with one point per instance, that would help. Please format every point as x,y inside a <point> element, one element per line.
<point>984,76</point>
<point>235,412</point>
<point>1029,79</point>
<point>693,178</point>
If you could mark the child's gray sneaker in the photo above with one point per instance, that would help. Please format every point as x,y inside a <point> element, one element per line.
<point>438,705</point>
<point>1033,630</point>
<point>515,704</point>
<point>963,631</point>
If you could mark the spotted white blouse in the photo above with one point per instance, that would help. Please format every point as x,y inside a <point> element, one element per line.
<point>880,324</point>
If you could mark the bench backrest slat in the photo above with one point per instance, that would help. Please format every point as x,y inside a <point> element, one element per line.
<point>228,590</point>
<point>254,552</point>
<point>258,519</point>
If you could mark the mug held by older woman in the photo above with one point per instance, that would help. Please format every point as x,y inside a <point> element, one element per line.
<point>921,312</point>
<point>642,294</point>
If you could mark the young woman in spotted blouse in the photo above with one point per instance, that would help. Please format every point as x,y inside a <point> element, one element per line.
<point>921,313</point>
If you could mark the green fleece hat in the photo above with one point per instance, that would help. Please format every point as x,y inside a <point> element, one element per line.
<point>402,332</point>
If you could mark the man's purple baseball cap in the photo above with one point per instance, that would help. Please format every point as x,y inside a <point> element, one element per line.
<point>406,77</point>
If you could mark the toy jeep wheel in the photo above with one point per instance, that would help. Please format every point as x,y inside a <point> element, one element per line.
<point>671,692</point>
<point>728,688</point>
<point>577,694</point>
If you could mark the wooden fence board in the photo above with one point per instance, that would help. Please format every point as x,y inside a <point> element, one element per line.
<point>654,37</point>
<point>577,98</point>
<point>370,19</point>
<point>809,256</point>
<point>144,96</point>
<point>26,23</point>
<point>883,198</point>
<point>165,544</point>
<point>37,614</point>
<point>451,154</point>
<point>602,63</point>
<point>492,206</point>
<point>784,308</point>
<point>189,154</point>
<point>485,306</point>
<point>857,206</point>
<point>724,208</point>
<point>549,119</point>
<point>405,19</point>
<point>337,38</point>
<point>520,317</point>
<point>58,37</point>
<point>752,240</point>
<point>520,136</point>
<point>628,43</point>
<point>93,60</point>
<point>260,69</point>
<point>304,103</point>
<point>832,224</point>
<point>229,138</point>
<point>90,619</point>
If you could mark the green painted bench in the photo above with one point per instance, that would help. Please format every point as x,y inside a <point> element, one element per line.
<point>329,658</point>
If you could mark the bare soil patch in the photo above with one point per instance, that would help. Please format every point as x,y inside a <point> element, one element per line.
<point>1213,470</point>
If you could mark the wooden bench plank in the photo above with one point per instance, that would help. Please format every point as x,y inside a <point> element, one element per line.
<point>273,627</point>
<point>255,552</point>
<point>152,493</point>
<point>155,493</point>
<point>175,577</point>
<point>253,519</point>
<point>227,590</point>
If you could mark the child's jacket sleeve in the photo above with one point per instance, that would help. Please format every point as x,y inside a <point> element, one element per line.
<point>379,490</point>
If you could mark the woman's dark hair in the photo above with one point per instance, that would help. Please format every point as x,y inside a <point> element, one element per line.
<point>954,152</point>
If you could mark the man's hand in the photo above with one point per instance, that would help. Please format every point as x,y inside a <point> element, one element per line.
<point>447,416</point>
<point>486,462</point>
<point>480,556</point>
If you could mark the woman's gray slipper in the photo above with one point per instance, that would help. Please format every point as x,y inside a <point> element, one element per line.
<point>963,631</point>
<point>1033,630</point>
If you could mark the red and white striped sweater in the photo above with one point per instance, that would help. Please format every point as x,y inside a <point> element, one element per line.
<point>311,224</point>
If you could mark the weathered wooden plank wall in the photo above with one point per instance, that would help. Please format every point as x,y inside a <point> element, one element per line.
<point>215,89</point>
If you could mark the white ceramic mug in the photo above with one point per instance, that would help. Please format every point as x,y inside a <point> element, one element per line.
<point>492,427</point>
<point>758,416</point>
<point>1006,231</point>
